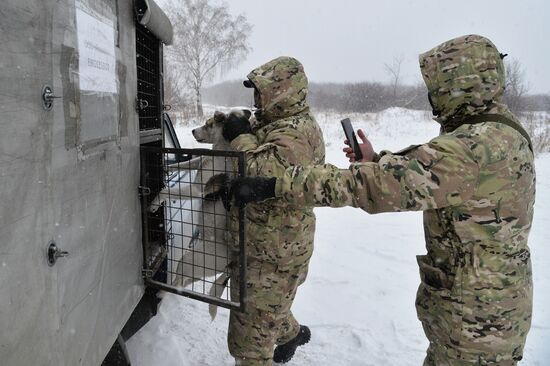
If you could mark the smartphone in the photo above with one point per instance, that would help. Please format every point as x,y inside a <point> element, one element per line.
<point>352,139</point>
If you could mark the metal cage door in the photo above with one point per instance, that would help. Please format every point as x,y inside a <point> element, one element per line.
<point>192,245</point>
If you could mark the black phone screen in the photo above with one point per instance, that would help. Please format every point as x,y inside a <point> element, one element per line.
<point>352,139</point>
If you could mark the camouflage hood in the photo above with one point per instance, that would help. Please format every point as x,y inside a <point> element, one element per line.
<point>465,77</point>
<point>282,85</point>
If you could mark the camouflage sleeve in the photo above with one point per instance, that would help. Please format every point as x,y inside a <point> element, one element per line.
<point>283,147</point>
<point>440,173</point>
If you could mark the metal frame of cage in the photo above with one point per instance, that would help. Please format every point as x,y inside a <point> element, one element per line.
<point>177,223</point>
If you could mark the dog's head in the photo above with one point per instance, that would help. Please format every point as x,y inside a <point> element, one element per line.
<point>211,131</point>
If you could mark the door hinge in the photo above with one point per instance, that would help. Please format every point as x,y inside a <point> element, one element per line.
<point>146,273</point>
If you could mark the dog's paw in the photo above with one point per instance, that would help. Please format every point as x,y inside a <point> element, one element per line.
<point>153,208</point>
<point>216,187</point>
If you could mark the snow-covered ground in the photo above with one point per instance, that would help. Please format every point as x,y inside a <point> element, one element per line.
<point>358,299</point>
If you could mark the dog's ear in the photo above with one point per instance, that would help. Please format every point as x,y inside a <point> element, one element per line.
<point>247,113</point>
<point>219,116</point>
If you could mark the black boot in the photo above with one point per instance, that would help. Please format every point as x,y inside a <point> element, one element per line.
<point>284,352</point>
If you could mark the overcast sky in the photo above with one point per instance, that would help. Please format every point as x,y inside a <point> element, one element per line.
<point>351,40</point>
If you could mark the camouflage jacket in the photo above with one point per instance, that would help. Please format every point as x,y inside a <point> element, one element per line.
<point>476,186</point>
<point>285,134</point>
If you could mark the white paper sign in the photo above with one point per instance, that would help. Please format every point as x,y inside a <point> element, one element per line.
<point>96,47</point>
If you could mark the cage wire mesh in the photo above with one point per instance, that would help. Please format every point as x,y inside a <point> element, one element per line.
<point>187,239</point>
<point>148,58</point>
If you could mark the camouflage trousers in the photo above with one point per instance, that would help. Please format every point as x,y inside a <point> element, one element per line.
<point>434,358</point>
<point>267,320</point>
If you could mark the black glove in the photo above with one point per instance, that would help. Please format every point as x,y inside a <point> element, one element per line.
<point>243,190</point>
<point>235,127</point>
<point>252,189</point>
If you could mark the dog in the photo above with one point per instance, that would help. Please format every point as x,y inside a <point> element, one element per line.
<point>204,250</point>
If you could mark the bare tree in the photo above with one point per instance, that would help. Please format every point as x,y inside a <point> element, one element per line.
<point>538,127</point>
<point>174,88</point>
<point>394,72</point>
<point>176,93</point>
<point>516,87</point>
<point>415,97</point>
<point>207,40</point>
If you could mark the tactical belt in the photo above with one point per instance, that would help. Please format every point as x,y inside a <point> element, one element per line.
<point>500,119</point>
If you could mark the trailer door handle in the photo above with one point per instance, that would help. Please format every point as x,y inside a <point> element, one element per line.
<point>54,253</point>
<point>48,97</point>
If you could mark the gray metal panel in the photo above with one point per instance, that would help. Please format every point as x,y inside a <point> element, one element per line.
<point>27,285</point>
<point>57,183</point>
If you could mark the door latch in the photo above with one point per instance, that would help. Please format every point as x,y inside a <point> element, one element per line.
<point>144,191</point>
<point>141,104</point>
<point>54,253</point>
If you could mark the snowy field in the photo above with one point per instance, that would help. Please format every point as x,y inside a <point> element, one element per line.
<point>359,297</point>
